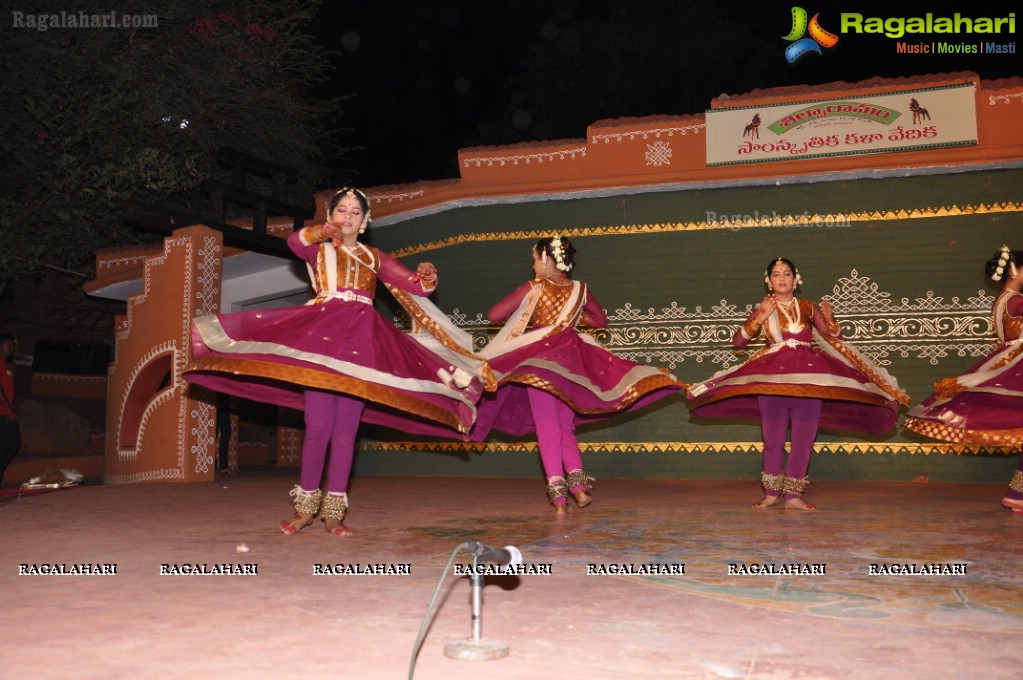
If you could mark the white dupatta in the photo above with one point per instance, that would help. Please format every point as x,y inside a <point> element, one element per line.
<point>513,335</point>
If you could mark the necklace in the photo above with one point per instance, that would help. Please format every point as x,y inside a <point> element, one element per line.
<point>354,252</point>
<point>793,326</point>
<point>561,281</point>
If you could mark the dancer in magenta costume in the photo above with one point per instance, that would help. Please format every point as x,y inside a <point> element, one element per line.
<point>338,359</point>
<point>793,383</point>
<point>553,377</point>
<point>985,405</point>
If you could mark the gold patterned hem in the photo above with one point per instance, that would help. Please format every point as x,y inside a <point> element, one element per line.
<point>420,317</point>
<point>935,430</point>
<point>1009,357</point>
<point>783,390</point>
<point>331,382</point>
<point>874,376</point>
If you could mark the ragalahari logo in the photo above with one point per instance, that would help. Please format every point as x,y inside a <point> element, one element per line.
<point>802,45</point>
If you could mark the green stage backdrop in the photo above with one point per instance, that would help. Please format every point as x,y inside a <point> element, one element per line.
<point>900,258</point>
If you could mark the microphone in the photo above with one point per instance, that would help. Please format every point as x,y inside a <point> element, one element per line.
<point>509,554</point>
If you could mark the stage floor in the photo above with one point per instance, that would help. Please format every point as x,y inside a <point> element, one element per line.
<point>284,621</point>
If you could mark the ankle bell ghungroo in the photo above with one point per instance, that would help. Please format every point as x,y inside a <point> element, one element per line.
<point>1016,483</point>
<point>335,506</point>
<point>577,480</point>
<point>557,489</point>
<point>306,502</point>
<point>795,487</point>
<point>772,482</point>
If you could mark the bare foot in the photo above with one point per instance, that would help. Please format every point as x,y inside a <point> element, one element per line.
<point>296,523</point>
<point>582,499</point>
<point>766,502</point>
<point>1013,504</point>
<point>561,509</point>
<point>798,504</point>
<point>336,528</point>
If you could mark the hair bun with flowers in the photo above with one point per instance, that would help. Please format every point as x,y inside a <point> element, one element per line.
<point>558,251</point>
<point>1003,259</point>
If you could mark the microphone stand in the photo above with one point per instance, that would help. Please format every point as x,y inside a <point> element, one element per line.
<point>476,647</point>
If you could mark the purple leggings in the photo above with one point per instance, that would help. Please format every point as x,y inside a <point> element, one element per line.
<point>776,413</point>
<point>555,433</point>
<point>333,419</point>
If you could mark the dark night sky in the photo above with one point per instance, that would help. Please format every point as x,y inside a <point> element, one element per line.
<point>432,76</point>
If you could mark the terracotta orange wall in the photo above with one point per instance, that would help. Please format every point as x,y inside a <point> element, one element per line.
<point>611,156</point>
<point>175,434</point>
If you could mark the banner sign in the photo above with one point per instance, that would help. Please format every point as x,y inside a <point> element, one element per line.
<point>898,121</point>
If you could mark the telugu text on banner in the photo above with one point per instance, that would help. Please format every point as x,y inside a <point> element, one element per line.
<point>871,123</point>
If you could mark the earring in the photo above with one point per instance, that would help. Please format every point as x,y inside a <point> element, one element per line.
<point>362,230</point>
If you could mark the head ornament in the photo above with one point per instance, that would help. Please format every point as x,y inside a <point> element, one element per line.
<point>767,274</point>
<point>1003,259</point>
<point>558,250</point>
<point>352,191</point>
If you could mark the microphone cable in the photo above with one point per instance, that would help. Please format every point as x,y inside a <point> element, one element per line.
<point>433,601</point>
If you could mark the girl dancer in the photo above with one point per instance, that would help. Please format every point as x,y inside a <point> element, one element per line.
<point>552,377</point>
<point>793,384</point>
<point>337,359</point>
<point>985,406</point>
